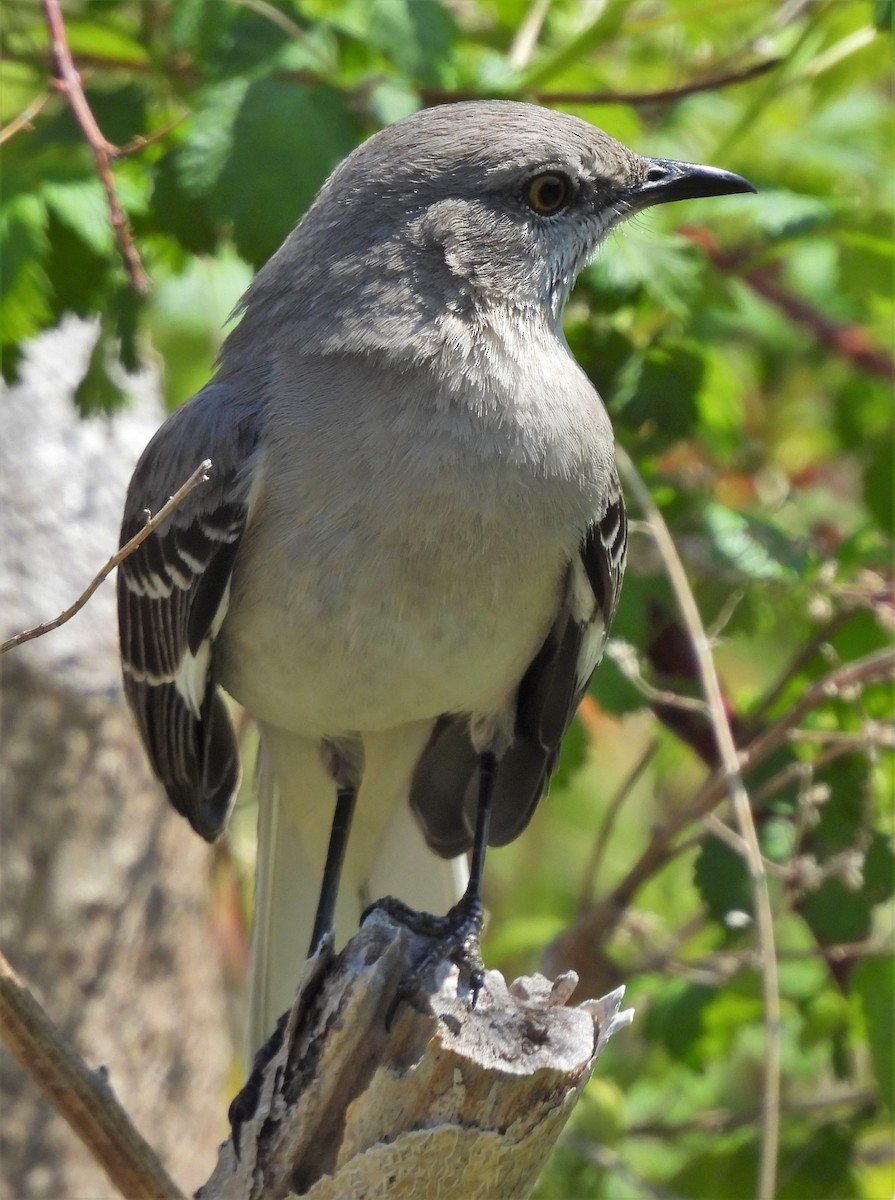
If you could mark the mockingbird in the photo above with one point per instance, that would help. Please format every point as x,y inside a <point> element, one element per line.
<point>410,550</point>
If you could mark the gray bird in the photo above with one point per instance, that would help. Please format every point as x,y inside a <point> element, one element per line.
<point>411,547</point>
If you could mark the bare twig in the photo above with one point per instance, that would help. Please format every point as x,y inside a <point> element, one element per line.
<point>872,734</point>
<point>709,83</point>
<point>727,751</point>
<point>200,475</point>
<point>873,668</point>
<point>625,658</point>
<point>81,1096</point>
<point>595,862</point>
<point>69,81</point>
<point>801,659</point>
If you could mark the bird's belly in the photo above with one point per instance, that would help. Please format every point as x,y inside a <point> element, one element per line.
<point>394,633</point>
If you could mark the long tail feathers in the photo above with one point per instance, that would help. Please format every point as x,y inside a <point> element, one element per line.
<point>387,855</point>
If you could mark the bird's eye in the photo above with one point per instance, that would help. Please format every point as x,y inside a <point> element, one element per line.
<point>548,193</point>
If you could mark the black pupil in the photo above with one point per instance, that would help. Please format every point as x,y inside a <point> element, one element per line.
<point>548,193</point>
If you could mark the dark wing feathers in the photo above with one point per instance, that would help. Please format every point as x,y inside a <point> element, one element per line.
<point>444,791</point>
<point>172,594</point>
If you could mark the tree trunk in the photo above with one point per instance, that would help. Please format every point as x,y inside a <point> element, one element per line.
<point>104,890</point>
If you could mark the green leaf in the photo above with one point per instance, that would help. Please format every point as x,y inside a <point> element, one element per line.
<point>675,1020</point>
<point>100,391</point>
<point>416,35</point>
<point>756,547</point>
<point>306,131</point>
<point>657,392</point>
<point>722,880</point>
<point>25,296</point>
<point>209,142</point>
<point>873,982</point>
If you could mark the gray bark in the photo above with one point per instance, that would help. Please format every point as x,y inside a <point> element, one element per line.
<point>105,892</point>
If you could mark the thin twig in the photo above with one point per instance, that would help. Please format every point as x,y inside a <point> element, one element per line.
<point>526,39</point>
<point>709,83</point>
<point>625,658</point>
<point>200,475</point>
<point>69,81</point>
<point>873,668</point>
<point>727,751</point>
<point>24,119</point>
<point>595,925</point>
<point>81,1096</point>
<point>872,734</point>
<point>803,657</point>
<point>592,870</point>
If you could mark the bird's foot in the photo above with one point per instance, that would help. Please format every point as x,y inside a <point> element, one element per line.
<point>455,938</point>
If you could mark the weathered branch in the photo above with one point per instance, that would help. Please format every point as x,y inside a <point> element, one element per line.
<point>445,1100</point>
<point>83,1097</point>
<point>69,81</point>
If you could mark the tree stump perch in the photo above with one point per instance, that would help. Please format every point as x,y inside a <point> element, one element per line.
<point>447,1101</point>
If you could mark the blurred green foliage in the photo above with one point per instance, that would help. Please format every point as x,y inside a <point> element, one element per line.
<point>743,348</point>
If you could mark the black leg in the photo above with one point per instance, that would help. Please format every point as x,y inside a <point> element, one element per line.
<point>470,907</point>
<point>487,771</point>
<point>335,856</point>
<point>454,936</point>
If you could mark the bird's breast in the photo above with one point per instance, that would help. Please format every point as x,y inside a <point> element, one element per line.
<point>410,562</point>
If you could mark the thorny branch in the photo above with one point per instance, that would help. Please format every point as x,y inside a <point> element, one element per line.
<point>68,81</point>
<point>200,475</point>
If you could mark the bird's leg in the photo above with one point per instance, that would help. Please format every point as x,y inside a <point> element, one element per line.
<point>468,914</point>
<point>455,936</point>
<point>335,856</point>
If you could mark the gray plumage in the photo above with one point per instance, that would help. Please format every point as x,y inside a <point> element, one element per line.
<point>413,542</point>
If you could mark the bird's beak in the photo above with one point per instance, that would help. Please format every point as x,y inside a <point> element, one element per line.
<point>667,180</point>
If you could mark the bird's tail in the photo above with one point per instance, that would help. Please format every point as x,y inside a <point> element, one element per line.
<point>387,855</point>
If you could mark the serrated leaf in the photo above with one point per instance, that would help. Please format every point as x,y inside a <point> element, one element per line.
<point>306,131</point>
<point>25,305</point>
<point>105,41</point>
<point>99,391</point>
<point>209,143</point>
<point>81,205</point>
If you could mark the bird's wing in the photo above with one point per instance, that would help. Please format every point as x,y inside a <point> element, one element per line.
<point>173,593</point>
<point>445,786</point>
